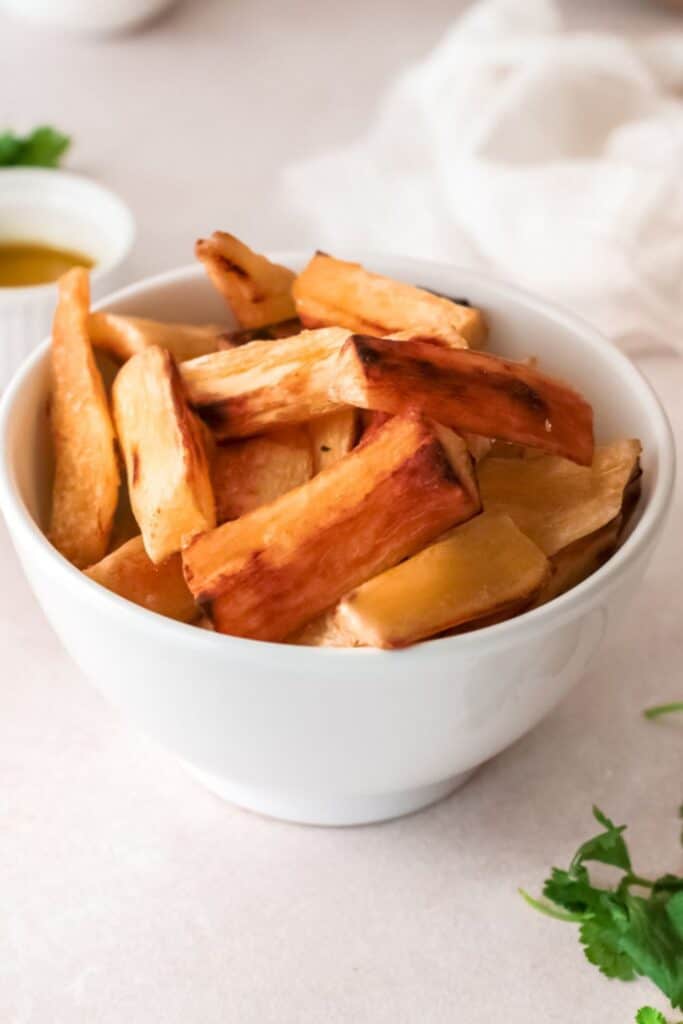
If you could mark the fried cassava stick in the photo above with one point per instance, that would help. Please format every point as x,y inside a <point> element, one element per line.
<point>130,573</point>
<point>163,447</point>
<point>251,473</point>
<point>573,564</point>
<point>554,501</point>
<point>257,291</point>
<point>125,336</point>
<point>86,480</point>
<point>334,292</point>
<point>265,384</point>
<point>482,569</point>
<point>267,574</point>
<point>469,391</point>
<point>333,436</point>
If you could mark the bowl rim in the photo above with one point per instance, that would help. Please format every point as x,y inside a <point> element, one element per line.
<point>509,633</point>
<point>100,193</point>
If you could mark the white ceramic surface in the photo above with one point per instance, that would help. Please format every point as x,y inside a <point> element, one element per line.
<point>88,16</point>
<point>328,736</point>
<point>64,210</point>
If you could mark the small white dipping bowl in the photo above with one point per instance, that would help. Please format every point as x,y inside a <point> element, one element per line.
<point>63,210</point>
<point>341,737</point>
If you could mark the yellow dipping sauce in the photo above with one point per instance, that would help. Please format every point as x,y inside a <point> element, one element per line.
<point>27,263</point>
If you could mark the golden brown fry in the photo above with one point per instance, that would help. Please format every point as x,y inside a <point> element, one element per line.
<point>469,391</point>
<point>269,332</point>
<point>265,384</point>
<point>163,447</point>
<point>251,473</point>
<point>324,631</point>
<point>333,436</point>
<point>508,450</point>
<point>579,560</point>
<point>481,569</point>
<point>257,291</point>
<point>86,480</point>
<point>125,336</point>
<point>129,572</point>
<point>332,292</point>
<point>478,447</point>
<point>267,574</point>
<point>125,526</point>
<point>554,501</point>
<point>631,497</point>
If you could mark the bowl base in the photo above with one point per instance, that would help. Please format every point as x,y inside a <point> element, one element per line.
<point>330,811</point>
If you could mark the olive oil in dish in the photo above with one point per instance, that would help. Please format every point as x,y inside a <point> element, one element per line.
<point>23,264</point>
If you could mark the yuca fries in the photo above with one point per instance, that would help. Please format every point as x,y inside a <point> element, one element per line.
<point>257,291</point>
<point>86,480</point>
<point>124,336</point>
<point>285,482</point>
<point>281,329</point>
<point>334,292</point>
<point>554,501</point>
<point>485,567</point>
<point>579,560</point>
<point>333,436</point>
<point>325,631</point>
<point>251,473</point>
<point>130,573</point>
<point>265,384</point>
<point>163,447</point>
<point>267,574</point>
<point>469,391</point>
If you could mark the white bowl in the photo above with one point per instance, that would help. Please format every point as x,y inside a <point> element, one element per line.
<point>337,737</point>
<point>66,211</point>
<point>97,17</point>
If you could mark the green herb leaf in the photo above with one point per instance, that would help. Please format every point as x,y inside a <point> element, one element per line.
<point>10,148</point>
<point>625,935</point>
<point>654,946</point>
<point>600,941</point>
<point>606,848</point>
<point>648,1015</point>
<point>42,148</point>
<point>663,709</point>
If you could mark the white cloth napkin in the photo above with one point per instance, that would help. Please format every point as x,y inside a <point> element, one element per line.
<point>552,158</point>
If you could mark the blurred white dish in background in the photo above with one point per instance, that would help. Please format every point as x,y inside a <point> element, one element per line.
<point>90,16</point>
<point>323,735</point>
<point>65,211</point>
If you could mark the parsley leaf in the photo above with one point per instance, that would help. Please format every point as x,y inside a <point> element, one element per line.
<point>601,945</point>
<point>647,1015</point>
<point>663,709</point>
<point>44,147</point>
<point>606,848</point>
<point>625,934</point>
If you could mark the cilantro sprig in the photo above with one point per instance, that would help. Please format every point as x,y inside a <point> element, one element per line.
<point>659,710</point>
<point>648,1015</point>
<point>43,147</point>
<point>629,930</point>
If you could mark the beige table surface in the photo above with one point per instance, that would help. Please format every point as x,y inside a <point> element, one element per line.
<point>127,893</point>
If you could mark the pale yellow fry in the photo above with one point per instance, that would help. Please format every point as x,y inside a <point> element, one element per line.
<point>125,336</point>
<point>331,292</point>
<point>554,501</point>
<point>257,291</point>
<point>130,573</point>
<point>86,480</point>
<point>483,568</point>
<point>163,447</point>
<point>333,436</point>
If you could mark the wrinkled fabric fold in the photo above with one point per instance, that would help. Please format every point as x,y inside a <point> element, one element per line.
<point>553,159</point>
